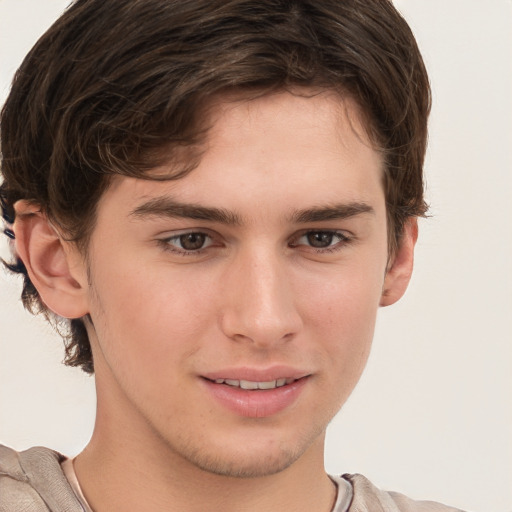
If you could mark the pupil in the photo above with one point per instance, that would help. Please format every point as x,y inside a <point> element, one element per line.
<point>320,239</point>
<point>192,241</point>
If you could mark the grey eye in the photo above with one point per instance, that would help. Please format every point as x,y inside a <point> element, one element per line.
<point>192,241</point>
<point>320,239</point>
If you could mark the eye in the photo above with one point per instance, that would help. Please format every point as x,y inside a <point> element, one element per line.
<point>327,240</point>
<point>188,242</point>
<point>320,239</point>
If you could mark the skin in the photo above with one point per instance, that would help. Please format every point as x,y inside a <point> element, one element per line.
<point>269,282</point>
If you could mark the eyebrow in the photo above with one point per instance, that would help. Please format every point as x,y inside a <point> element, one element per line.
<point>167,207</point>
<point>334,212</point>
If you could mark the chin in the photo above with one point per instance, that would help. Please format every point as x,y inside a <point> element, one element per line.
<point>240,458</point>
<point>252,451</point>
<point>240,466</point>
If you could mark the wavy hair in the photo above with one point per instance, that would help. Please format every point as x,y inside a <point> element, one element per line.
<point>115,87</point>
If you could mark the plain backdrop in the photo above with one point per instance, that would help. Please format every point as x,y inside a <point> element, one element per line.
<point>432,415</point>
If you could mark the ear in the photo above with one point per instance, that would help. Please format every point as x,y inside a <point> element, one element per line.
<point>54,265</point>
<point>400,268</point>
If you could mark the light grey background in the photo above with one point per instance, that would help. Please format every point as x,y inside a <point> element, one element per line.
<point>432,416</point>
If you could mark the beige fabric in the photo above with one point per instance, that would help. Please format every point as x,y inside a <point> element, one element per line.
<point>344,496</point>
<point>367,498</point>
<point>33,481</point>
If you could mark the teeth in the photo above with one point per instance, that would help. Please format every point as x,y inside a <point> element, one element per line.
<point>267,385</point>
<point>248,384</point>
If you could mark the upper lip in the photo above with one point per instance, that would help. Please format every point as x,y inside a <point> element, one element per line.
<point>257,374</point>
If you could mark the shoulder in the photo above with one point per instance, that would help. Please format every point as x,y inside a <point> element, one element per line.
<point>33,481</point>
<point>368,498</point>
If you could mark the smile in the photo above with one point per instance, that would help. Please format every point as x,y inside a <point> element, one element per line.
<point>248,384</point>
<point>256,398</point>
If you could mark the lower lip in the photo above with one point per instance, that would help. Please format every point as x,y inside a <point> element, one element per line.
<point>256,403</point>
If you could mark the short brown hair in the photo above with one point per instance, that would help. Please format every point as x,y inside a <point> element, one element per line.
<point>114,86</point>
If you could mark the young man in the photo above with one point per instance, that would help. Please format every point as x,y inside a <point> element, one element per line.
<point>218,195</point>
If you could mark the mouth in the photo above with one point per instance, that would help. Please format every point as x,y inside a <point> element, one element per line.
<point>262,397</point>
<point>255,385</point>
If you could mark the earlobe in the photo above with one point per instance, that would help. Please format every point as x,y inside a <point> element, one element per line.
<point>399,272</point>
<point>50,261</point>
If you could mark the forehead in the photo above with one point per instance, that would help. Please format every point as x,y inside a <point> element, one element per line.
<point>287,147</point>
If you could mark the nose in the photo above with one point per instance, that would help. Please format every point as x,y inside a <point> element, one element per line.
<point>259,304</point>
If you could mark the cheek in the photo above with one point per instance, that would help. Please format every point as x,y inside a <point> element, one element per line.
<point>146,321</point>
<point>340,314</point>
<point>345,299</point>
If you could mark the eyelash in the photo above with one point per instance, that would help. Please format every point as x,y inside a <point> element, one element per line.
<point>166,243</point>
<point>342,237</point>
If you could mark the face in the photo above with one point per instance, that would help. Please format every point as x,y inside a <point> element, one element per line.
<point>234,308</point>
